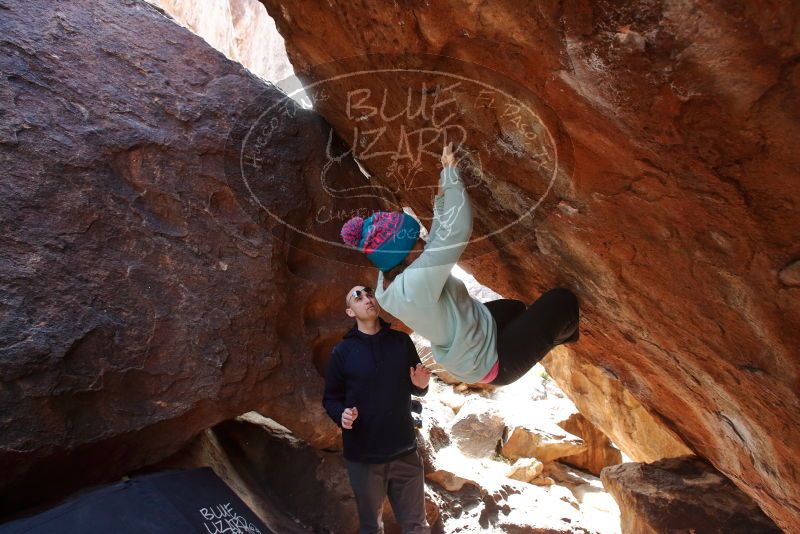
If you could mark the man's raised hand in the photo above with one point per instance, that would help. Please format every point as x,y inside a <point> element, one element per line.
<point>420,376</point>
<point>348,416</point>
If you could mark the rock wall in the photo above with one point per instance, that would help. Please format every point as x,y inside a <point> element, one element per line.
<point>664,152</point>
<point>144,290</point>
<point>601,398</point>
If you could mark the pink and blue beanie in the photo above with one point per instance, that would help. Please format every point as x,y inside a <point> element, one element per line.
<point>385,237</point>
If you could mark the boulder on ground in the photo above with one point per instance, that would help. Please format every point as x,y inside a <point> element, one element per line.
<point>478,428</point>
<point>684,494</point>
<point>599,453</point>
<point>525,469</point>
<point>526,441</point>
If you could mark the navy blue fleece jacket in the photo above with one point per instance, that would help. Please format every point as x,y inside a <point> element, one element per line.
<point>371,372</point>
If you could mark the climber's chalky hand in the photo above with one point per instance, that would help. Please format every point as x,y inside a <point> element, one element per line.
<point>448,160</point>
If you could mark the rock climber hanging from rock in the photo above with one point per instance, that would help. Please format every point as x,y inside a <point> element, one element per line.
<point>495,342</point>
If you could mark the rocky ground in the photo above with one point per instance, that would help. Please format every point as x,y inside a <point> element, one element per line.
<point>495,460</point>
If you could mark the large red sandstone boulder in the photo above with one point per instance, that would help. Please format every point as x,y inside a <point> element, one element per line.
<point>661,165</point>
<point>147,290</point>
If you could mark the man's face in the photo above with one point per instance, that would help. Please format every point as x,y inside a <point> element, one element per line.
<point>364,306</point>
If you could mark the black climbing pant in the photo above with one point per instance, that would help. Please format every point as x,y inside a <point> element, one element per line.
<point>526,334</point>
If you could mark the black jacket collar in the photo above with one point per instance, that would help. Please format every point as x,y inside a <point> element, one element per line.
<point>355,332</point>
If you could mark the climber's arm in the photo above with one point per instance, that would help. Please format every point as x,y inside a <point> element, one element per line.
<point>449,236</point>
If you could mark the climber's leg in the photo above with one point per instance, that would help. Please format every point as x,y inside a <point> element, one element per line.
<point>550,321</point>
<point>505,310</point>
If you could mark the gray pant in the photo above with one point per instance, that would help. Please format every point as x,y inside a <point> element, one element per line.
<point>403,481</point>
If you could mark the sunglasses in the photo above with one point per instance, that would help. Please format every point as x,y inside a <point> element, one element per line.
<point>356,293</point>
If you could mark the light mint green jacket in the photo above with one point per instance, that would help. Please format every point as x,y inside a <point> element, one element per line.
<point>429,300</point>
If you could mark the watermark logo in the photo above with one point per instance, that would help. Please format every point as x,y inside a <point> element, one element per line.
<point>391,117</point>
